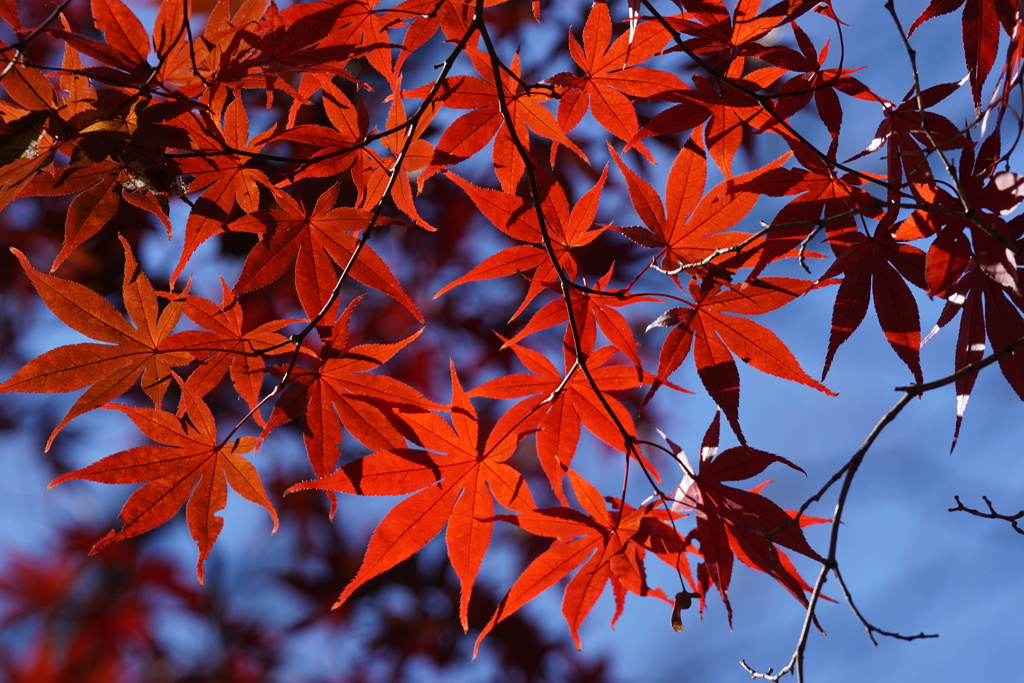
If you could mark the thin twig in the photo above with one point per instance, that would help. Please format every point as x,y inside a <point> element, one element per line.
<point>1013,519</point>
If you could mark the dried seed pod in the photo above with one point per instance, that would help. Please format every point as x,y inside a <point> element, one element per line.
<point>683,601</point>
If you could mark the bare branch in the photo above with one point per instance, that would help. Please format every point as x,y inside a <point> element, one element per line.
<point>1013,519</point>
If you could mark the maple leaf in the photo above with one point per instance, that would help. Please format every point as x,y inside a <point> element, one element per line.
<point>822,198</point>
<point>28,138</point>
<point>468,134</point>
<point>990,195</point>
<point>612,75</point>
<point>342,392</point>
<point>362,24</point>
<point>728,39</point>
<point>731,115</point>
<point>691,225</point>
<point>732,522</point>
<point>715,337</point>
<point>224,346</point>
<point>314,240</point>
<point>907,141</point>
<point>980,26</point>
<point>117,146</point>
<point>213,58</point>
<point>127,41</point>
<point>590,312</point>
<point>515,216</point>
<point>26,149</point>
<point>171,44</point>
<point>262,46</point>
<point>192,464</point>
<point>1005,325</point>
<point>877,266</point>
<point>453,17</point>
<point>229,179</point>
<point>341,144</point>
<point>109,124</point>
<point>985,309</point>
<point>146,351</point>
<point>319,38</point>
<point>87,215</point>
<point>454,480</point>
<point>815,82</point>
<point>609,544</point>
<point>556,404</point>
<point>379,171</point>
<point>9,13</point>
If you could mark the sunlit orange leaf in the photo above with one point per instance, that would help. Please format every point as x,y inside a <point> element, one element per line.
<point>146,351</point>
<point>191,464</point>
<point>462,476</point>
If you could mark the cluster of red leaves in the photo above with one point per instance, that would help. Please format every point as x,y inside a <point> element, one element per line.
<point>359,136</point>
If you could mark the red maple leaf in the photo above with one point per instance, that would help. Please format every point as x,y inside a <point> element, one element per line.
<point>690,225</point>
<point>339,152</point>
<point>342,391</point>
<point>815,82</point>
<point>558,403</point>
<point>315,240</point>
<point>192,464</point>
<point>610,544</point>
<point>989,195</point>
<point>454,480</point>
<point>730,38</point>
<point>225,346</point>
<point>229,179</point>
<point>468,134</point>
<point>731,115</point>
<point>515,216</point>
<point>822,198</point>
<point>591,311</point>
<point>986,309</point>
<point>877,267</point>
<point>341,145</point>
<point>360,23</point>
<point>716,327</point>
<point>612,75</point>
<point>907,141</point>
<point>377,171</point>
<point>127,41</point>
<point>146,351</point>
<point>732,522</point>
<point>980,25</point>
